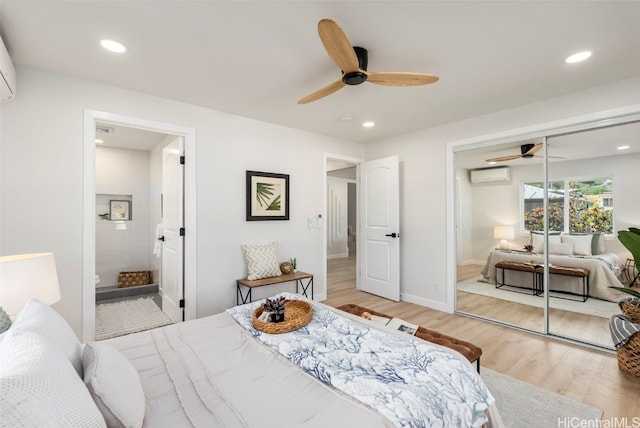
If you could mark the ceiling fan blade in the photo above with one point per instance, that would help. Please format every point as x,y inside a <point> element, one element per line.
<point>337,45</point>
<point>533,149</point>
<point>323,92</point>
<point>503,158</point>
<point>400,78</point>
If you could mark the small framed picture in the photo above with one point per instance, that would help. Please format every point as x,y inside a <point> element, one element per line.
<point>267,196</point>
<point>119,210</point>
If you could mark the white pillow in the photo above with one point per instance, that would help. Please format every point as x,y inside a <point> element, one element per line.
<point>561,249</point>
<point>39,387</point>
<point>41,319</point>
<point>537,240</point>
<point>581,243</point>
<point>262,261</point>
<point>114,385</point>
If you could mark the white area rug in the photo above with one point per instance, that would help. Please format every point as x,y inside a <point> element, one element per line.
<point>524,405</point>
<point>129,316</point>
<point>595,307</point>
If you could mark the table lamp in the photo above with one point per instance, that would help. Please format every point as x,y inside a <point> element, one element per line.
<point>27,275</point>
<point>503,233</point>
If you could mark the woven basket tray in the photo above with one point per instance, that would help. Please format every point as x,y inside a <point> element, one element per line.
<point>131,279</point>
<point>631,311</point>
<point>629,356</point>
<point>297,314</point>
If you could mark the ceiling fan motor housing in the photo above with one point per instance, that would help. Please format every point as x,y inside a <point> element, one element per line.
<point>357,77</point>
<point>524,149</point>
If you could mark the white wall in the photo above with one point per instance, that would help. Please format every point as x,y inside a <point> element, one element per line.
<point>337,217</point>
<point>424,246</point>
<point>41,179</point>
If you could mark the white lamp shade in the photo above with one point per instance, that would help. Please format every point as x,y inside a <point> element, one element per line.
<point>27,275</point>
<point>503,232</point>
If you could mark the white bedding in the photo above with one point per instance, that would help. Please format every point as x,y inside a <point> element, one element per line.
<point>603,269</point>
<point>212,372</point>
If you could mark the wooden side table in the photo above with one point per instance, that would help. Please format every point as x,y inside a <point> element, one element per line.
<point>303,280</point>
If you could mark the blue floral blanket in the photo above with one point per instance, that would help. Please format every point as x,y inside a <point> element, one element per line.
<point>412,382</point>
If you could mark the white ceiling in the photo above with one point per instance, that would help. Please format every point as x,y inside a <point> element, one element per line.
<point>124,137</point>
<point>257,58</point>
<point>593,143</point>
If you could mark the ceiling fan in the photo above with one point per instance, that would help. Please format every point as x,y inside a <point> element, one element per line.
<point>353,60</point>
<point>526,151</point>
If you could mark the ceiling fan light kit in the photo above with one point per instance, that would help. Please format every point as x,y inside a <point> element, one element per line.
<point>353,62</point>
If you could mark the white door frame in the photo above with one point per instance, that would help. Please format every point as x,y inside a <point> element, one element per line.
<point>89,211</point>
<point>356,162</point>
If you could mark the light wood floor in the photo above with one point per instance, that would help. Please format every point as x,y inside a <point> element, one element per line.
<point>586,328</point>
<point>582,374</point>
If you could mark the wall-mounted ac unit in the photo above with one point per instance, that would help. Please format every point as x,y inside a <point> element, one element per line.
<point>491,175</point>
<point>7,75</point>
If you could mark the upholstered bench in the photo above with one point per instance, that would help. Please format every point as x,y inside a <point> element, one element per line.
<point>470,351</point>
<point>535,289</point>
<point>568,271</point>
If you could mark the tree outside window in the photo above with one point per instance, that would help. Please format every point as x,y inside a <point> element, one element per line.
<point>590,206</point>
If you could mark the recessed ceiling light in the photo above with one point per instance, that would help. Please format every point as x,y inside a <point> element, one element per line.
<point>625,147</point>
<point>113,46</point>
<point>492,163</point>
<point>368,124</point>
<point>577,57</point>
<point>346,118</point>
<point>99,141</point>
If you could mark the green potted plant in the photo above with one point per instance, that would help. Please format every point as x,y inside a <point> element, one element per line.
<point>275,307</point>
<point>631,241</point>
<point>294,263</point>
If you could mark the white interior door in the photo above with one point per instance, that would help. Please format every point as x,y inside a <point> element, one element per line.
<point>172,223</point>
<point>337,221</point>
<point>379,241</point>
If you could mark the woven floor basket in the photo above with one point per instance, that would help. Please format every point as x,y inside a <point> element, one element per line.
<point>629,356</point>
<point>131,279</point>
<point>630,310</point>
<point>297,314</point>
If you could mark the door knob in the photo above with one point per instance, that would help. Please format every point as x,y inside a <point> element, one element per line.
<point>393,235</point>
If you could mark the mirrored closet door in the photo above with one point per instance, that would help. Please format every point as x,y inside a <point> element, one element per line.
<point>536,223</point>
<point>495,277</point>
<point>594,172</point>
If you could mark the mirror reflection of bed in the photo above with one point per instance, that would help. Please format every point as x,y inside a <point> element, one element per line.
<point>585,169</point>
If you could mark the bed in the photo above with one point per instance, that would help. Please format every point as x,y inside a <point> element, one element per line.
<point>604,271</point>
<point>219,371</point>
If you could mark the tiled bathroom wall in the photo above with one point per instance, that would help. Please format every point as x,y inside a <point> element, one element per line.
<point>122,246</point>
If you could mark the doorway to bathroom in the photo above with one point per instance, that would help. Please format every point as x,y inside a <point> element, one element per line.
<point>180,294</point>
<point>139,208</point>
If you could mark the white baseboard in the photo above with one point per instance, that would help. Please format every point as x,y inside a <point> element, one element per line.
<point>338,256</point>
<point>427,303</point>
<point>472,262</point>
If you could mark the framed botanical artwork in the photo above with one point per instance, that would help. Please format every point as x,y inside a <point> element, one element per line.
<point>267,196</point>
<point>119,210</point>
